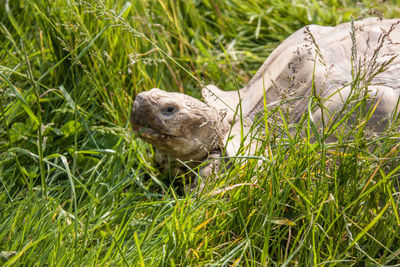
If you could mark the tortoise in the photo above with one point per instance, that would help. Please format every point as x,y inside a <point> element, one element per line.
<point>316,60</point>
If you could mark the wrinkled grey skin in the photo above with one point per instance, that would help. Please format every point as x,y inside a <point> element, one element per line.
<point>316,55</point>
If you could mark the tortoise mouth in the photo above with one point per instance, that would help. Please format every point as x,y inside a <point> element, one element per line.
<point>147,133</point>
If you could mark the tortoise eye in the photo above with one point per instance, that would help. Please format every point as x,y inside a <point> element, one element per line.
<point>168,110</point>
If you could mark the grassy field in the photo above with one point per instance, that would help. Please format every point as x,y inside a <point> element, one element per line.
<point>77,188</point>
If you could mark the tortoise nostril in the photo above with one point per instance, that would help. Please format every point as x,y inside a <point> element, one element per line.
<point>139,98</point>
<point>137,107</point>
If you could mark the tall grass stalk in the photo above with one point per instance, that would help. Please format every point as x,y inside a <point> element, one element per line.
<point>40,126</point>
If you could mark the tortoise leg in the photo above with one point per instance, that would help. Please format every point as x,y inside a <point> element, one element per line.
<point>206,173</point>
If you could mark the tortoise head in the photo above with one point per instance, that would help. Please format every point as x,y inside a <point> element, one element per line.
<point>177,124</point>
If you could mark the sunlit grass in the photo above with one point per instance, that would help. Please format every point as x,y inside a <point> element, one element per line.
<point>77,188</point>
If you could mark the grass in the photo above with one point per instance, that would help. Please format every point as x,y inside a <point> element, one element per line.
<point>77,188</point>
